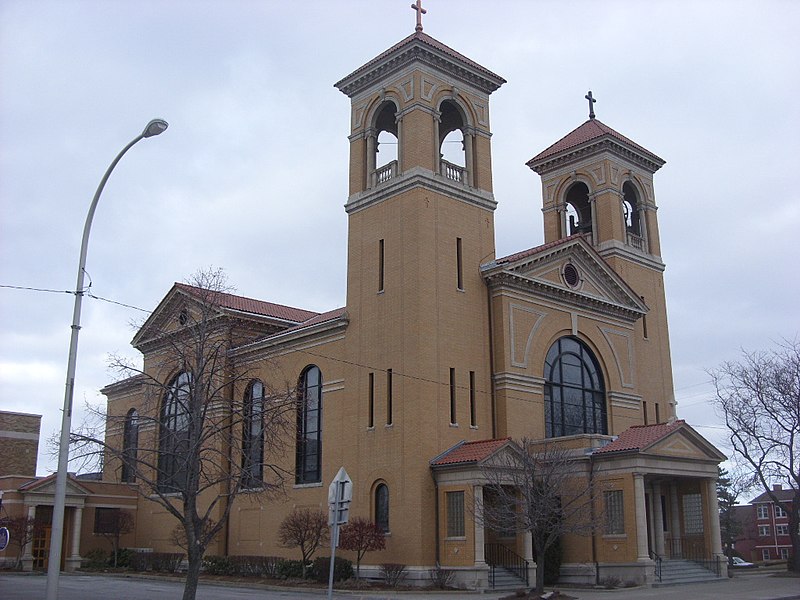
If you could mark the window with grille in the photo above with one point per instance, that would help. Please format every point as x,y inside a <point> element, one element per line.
<point>615,512</point>
<point>762,511</point>
<point>692,514</point>
<point>455,514</point>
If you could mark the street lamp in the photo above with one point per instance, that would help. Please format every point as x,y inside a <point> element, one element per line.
<point>154,127</point>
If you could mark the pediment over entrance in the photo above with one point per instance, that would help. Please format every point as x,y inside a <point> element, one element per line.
<point>569,271</point>
<point>46,488</point>
<point>675,440</point>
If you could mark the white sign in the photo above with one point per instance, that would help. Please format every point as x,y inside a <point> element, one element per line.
<point>340,494</point>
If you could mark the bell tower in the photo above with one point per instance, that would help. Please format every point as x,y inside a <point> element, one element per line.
<point>420,223</point>
<point>599,184</point>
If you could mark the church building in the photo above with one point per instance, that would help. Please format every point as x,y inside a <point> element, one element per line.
<point>446,355</point>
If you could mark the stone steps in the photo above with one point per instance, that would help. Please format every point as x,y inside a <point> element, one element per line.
<point>676,572</point>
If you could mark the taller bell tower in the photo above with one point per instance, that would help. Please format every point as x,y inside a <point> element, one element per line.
<point>420,223</point>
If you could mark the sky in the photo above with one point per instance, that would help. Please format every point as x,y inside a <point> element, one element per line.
<point>251,175</point>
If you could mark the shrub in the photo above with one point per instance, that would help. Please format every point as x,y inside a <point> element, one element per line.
<point>611,582</point>
<point>393,573</point>
<point>138,560</point>
<point>166,562</point>
<point>441,578</point>
<point>96,559</point>
<point>342,569</point>
<point>255,566</point>
<point>289,569</point>
<point>218,565</point>
<point>124,556</point>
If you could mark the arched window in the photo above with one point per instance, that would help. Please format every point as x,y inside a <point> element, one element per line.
<point>382,163</point>
<point>630,206</point>
<point>253,436</point>
<point>579,209</point>
<point>308,459</point>
<point>173,443</point>
<point>130,443</point>
<point>574,393</point>
<point>452,147</point>
<point>382,507</point>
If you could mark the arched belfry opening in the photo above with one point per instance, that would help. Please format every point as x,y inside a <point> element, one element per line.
<point>578,209</point>
<point>382,150</point>
<point>632,213</point>
<point>454,143</point>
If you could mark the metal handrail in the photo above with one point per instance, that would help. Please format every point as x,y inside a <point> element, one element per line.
<point>498,555</point>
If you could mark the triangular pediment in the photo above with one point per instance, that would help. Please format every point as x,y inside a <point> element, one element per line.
<point>571,271</point>
<point>174,310</point>
<point>684,443</point>
<point>47,487</point>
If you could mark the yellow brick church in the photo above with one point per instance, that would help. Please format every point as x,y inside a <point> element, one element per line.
<point>444,350</point>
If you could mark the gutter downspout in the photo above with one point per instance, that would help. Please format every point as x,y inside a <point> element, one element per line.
<point>593,516</point>
<point>492,393</point>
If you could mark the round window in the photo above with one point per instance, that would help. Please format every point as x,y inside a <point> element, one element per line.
<point>571,275</point>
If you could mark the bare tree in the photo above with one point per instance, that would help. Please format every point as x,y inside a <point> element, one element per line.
<point>534,487</point>
<point>306,529</point>
<point>759,397</point>
<point>113,523</point>
<point>21,531</point>
<point>195,458</point>
<point>361,535</point>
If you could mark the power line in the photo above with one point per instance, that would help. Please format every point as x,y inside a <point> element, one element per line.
<point>94,297</point>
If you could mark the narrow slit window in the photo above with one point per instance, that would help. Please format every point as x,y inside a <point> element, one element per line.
<point>371,421</point>
<point>459,264</point>
<point>644,410</point>
<point>452,396</point>
<point>388,396</point>
<point>644,323</point>
<point>658,416</point>
<point>472,420</point>
<point>381,267</point>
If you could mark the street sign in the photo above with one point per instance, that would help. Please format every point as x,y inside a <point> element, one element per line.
<point>5,537</point>
<point>340,494</point>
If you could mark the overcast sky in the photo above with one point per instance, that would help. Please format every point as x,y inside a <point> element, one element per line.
<point>251,175</point>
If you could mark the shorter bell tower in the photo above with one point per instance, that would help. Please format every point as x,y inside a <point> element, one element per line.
<point>597,183</point>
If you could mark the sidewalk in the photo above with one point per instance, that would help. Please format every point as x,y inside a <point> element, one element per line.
<point>750,586</point>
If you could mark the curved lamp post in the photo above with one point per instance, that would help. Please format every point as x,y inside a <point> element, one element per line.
<point>154,127</point>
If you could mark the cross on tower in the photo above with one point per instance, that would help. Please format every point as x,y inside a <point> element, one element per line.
<point>417,6</point>
<point>591,104</point>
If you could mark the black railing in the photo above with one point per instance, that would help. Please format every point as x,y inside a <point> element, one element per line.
<point>657,560</point>
<point>497,555</point>
<point>694,549</point>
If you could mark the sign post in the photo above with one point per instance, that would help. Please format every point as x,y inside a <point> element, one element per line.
<point>340,494</point>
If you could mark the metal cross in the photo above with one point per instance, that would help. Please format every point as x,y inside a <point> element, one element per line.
<point>591,104</point>
<point>417,6</point>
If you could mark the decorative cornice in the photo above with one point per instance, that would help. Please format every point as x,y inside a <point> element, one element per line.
<point>417,49</point>
<point>593,148</point>
<point>419,177</point>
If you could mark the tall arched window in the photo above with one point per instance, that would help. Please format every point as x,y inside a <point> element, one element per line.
<point>382,507</point>
<point>308,458</point>
<point>130,443</point>
<point>452,143</point>
<point>574,393</point>
<point>253,435</point>
<point>173,442</point>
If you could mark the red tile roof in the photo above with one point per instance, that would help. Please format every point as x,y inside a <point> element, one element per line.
<point>590,131</point>
<point>250,305</point>
<point>469,452</point>
<point>640,437</point>
<point>536,250</point>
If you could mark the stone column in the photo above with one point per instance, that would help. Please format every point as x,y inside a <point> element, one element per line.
<point>468,162</point>
<point>713,517</point>
<point>676,551</point>
<point>73,560</point>
<point>641,517</point>
<point>372,148</point>
<point>658,517</point>
<point>27,552</point>
<point>528,551</point>
<point>480,558</point>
